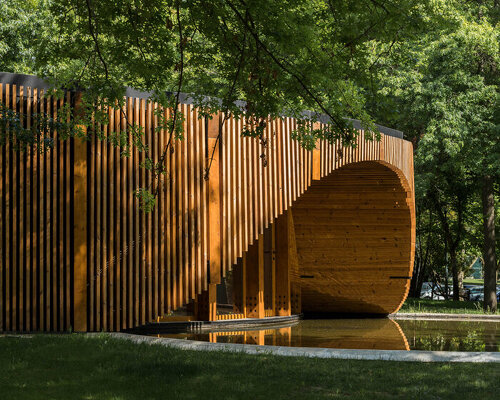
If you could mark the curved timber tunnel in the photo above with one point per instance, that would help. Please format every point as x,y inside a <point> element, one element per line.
<point>354,240</point>
<point>345,246</point>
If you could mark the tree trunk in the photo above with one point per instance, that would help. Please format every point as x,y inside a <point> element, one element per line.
<point>454,274</point>
<point>490,265</point>
<point>461,285</point>
<point>417,278</point>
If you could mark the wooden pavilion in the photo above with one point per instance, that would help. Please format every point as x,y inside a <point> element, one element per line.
<point>328,230</point>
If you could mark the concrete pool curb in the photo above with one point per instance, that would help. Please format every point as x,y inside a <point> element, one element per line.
<point>345,354</point>
<point>447,317</point>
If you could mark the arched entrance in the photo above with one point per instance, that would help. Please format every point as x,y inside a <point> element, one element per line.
<point>354,240</point>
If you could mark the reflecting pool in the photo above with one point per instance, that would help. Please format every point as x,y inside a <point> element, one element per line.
<point>377,334</point>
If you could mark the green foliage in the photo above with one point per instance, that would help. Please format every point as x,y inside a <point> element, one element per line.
<point>36,137</point>
<point>259,58</point>
<point>442,88</point>
<point>277,57</point>
<point>22,26</point>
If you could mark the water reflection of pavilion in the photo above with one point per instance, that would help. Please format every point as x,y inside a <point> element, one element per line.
<point>375,334</point>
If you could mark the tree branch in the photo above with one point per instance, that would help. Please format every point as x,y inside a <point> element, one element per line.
<point>285,68</point>
<point>95,38</point>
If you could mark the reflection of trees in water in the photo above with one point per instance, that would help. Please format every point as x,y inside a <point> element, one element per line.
<point>369,334</point>
<point>452,335</point>
<point>439,342</point>
<point>491,340</point>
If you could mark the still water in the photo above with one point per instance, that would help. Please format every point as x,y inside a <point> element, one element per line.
<point>379,334</point>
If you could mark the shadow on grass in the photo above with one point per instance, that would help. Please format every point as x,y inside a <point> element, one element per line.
<point>442,306</point>
<point>79,367</point>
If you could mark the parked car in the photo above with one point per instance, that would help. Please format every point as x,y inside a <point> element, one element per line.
<point>433,292</point>
<point>476,293</point>
<point>433,296</point>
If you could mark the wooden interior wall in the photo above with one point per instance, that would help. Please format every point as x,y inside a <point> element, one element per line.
<point>139,266</point>
<point>354,241</point>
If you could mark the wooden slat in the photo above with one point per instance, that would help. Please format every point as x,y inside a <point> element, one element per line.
<point>15,225</point>
<point>67,232</point>
<point>191,202</point>
<point>265,178</point>
<point>112,219</point>
<point>118,249</point>
<point>204,203</point>
<point>3,222</point>
<point>21,244</point>
<point>185,217</point>
<point>42,225</point>
<point>245,212</point>
<point>173,178</point>
<point>288,163</point>
<point>92,304</point>
<point>9,212</point>
<point>257,188</point>
<point>48,219</point>
<point>168,219</point>
<point>35,227</point>
<point>60,223</point>
<point>282,305</point>
<point>255,279</point>
<point>196,198</point>
<point>279,164</point>
<point>28,201</point>
<point>125,250</point>
<point>240,210</point>
<point>260,188</point>
<point>161,216</point>
<point>154,215</point>
<point>228,238</point>
<point>179,237</point>
<point>232,194</point>
<point>98,269</point>
<point>80,232</point>
<point>136,217</point>
<point>214,203</point>
<point>274,171</point>
<point>104,267</point>
<point>249,187</point>
<point>53,215</point>
<point>296,159</point>
<point>143,232</point>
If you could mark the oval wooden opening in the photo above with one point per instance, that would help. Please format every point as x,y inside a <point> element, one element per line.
<point>354,232</point>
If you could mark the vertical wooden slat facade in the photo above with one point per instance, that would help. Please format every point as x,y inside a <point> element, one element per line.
<point>76,250</point>
<point>36,204</point>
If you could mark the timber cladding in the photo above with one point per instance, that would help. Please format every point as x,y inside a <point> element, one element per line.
<point>77,252</point>
<point>36,225</point>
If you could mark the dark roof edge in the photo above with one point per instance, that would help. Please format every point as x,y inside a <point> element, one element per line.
<point>185,98</point>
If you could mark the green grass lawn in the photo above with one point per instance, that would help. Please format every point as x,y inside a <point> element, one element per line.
<point>442,306</point>
<point>79,367</point>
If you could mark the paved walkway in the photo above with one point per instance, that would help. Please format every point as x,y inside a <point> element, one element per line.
<point>386,355</point>
<point>446,317</point>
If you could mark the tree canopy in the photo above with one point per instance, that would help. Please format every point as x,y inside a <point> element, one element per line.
<point>442,88</point>
<point>276,56</point>
<point>429,68</point>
